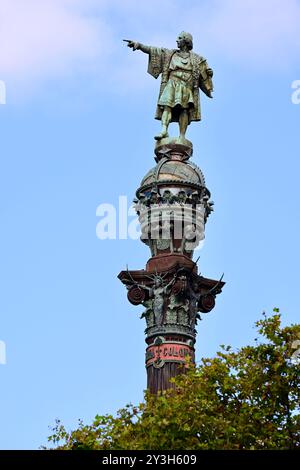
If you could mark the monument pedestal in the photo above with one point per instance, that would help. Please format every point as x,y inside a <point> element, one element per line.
<point>173,205</point>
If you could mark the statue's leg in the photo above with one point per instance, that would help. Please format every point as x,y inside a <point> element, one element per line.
<point>165,120</point>
<point>183,123</point>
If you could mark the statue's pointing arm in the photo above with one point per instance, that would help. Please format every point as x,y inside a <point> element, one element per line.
<point>155,64</point>
<point>134,45</point>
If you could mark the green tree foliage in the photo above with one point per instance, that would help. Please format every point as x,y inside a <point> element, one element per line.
<point>248,399</point>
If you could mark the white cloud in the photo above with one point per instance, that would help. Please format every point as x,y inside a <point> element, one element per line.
<point>259,32</point>
<point>42,38</point>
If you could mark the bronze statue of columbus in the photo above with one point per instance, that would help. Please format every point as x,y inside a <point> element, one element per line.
<point>182,74</point>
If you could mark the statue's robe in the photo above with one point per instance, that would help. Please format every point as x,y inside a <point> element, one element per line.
<point>159,62</point>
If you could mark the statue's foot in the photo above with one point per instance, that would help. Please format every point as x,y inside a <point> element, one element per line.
<point>162,135</point>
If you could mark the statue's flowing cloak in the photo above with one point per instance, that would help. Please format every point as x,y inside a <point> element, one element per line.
<point>159,62</point>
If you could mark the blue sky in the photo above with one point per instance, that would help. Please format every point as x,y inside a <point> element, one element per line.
<point>77,131</point>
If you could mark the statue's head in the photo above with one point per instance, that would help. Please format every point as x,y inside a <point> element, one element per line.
<point>185,39</point>
<point>158,281</point>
